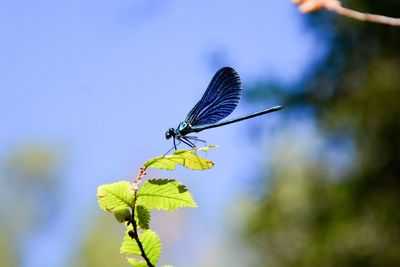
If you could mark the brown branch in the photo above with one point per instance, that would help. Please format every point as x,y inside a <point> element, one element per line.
<point>138,179</point>
<point>307,6</point>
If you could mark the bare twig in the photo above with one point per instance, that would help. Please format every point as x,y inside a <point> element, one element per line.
<point>138,179</point>
<point>307,6</point>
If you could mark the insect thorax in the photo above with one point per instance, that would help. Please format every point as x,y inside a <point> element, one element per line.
<point>183,128</point>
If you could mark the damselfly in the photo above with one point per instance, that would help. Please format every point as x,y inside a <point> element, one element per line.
<point>219,100</point>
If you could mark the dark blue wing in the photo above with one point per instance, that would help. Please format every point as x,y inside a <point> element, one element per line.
<point>219,100</point>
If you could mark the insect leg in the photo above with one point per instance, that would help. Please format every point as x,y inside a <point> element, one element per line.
<point>174,147</point>
<point>195,138</point>
<point>186,141</point>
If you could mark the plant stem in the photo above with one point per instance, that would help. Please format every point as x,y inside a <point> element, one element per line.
<point>135,232</point>
<point>365,16</point>
<point>307,6</point>
<point>135,235</point>
<point>138,179</point>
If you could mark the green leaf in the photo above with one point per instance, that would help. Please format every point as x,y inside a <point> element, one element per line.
<point>116,196</point>
<point>151,246</point>
<point>164,194</point>
<point>136,263</point>
<point>142,216</point>
<point>186,158</point>
<point>167,265</point>
<point>122,215</point>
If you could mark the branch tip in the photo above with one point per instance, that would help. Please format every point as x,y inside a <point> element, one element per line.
<point>307,6</point>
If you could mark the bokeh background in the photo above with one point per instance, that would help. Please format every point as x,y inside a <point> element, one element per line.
<point>88,88</point>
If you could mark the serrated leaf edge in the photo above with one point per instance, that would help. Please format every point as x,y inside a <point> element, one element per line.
<point>101,196</point>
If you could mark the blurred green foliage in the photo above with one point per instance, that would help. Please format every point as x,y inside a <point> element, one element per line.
<point>28,196</point>
<point>100,246</point>
<point>316,212</point>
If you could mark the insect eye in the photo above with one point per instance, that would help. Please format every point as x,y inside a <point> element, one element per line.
<point>169,133</point>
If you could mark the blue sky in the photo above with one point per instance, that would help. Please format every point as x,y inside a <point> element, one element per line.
<point>104,80</point>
